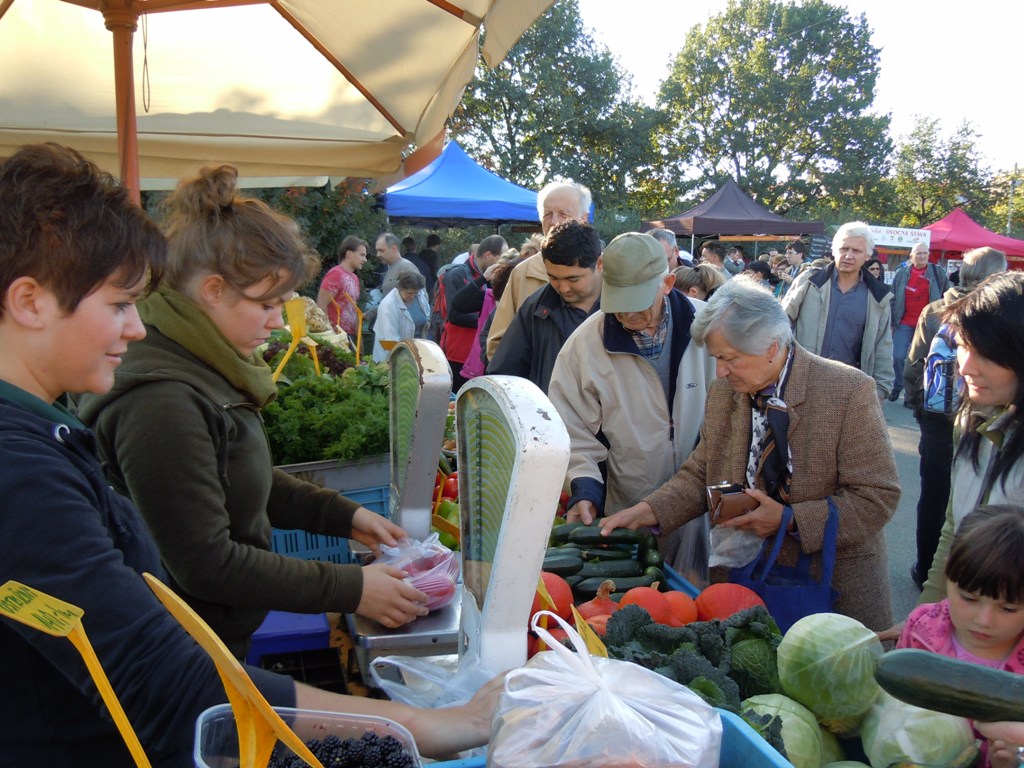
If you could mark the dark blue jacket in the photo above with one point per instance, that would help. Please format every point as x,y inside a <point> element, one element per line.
<point>66,533</point>
<point>539,329</point>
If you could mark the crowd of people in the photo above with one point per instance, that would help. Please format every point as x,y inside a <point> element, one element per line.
<point>672,372</point>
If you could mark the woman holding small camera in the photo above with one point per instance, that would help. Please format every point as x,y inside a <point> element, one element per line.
<point>793,429</point>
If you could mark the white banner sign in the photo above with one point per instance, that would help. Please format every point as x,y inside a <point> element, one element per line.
<point>898,237</point>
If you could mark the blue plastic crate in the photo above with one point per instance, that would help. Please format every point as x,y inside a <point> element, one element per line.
<point>283,632</point>
<point>741,748</point>
<point>310,546</point>
<point>675,580</point>
<point>333,549</point>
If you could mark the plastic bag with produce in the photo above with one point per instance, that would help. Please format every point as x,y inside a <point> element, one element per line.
<point>432,567</point>
<point>572,709</point>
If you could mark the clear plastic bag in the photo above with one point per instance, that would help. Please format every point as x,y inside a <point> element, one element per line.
<point>566,709</point>
<point>432,567</point>
<point>435,681</point>
<point>734,548</point>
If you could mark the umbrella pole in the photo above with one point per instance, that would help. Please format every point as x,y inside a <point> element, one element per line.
<point>121,17</point>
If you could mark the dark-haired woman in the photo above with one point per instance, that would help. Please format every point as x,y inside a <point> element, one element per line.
<point>988,467</point>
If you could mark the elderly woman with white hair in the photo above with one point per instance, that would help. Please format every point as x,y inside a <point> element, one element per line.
<point>843,312</point>
<point>835,446</point>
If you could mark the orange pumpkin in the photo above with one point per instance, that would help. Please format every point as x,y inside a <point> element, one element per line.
<point>720,601</point>
<point>682,608</point>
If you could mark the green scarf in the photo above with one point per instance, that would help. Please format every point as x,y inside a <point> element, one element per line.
<point>181,320</point>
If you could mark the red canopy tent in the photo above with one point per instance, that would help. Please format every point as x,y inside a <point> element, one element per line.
<point>957,232</point>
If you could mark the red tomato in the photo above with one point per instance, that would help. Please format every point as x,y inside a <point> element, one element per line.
<point>450,490</point>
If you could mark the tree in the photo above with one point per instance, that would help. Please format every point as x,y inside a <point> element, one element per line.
<point>935,174</point>
<point>557,107</point>
<point>777,96</point>
<point>1006,214</point>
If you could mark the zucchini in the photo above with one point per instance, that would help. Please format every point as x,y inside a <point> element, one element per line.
<point>652,558</point>
<point>565,549</point>
<point>587,589</point>
<point>563,565</point>
<point>560,533</point>
<point>955,687</point>
<point>650,541</point>
<point>590,535</point>
<point>611,569</point>
<point>573,580</point>
<point>604,553</point>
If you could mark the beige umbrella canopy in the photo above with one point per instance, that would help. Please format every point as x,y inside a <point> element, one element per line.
<point>152,89</point>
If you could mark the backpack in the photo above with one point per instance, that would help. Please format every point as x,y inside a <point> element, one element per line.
<point>438,312</point>
<point>943,384</point>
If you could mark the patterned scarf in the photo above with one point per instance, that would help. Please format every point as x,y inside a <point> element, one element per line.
<point>770,456</point>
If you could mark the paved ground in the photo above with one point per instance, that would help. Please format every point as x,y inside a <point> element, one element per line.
<point>899,533</point>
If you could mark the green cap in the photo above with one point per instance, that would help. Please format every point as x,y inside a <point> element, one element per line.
<point>633,268</point>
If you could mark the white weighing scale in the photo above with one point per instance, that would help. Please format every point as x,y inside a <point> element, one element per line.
<point>513,455</point>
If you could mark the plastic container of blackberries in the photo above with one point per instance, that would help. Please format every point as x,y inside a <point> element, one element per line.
<point>216,743</point>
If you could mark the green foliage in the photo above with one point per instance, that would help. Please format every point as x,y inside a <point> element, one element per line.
<point>777,96</point>
<point>326,417</point>
<point>558,106</point>
<point>1006,186</point>
<point>935,174</point>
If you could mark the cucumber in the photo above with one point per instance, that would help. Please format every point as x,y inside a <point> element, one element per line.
<point>565,549</point>
<point>591,535</point>
<point>587,588</point>
<point>650,542</point>
<point>563,565</point>
<point>611,569</point>
<point>652,558</point>
<point>560,533</point>
<point>604,553</point>
<point>954,687</point>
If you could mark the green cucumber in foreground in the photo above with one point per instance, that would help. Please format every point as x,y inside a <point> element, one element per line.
<point>959,688</point>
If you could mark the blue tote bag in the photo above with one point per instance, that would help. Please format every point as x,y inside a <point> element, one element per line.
<point>790,591</point>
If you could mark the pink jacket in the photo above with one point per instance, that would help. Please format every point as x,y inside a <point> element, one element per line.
<point>929,628</point>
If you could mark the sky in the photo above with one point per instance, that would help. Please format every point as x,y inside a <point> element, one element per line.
<point>952,61</point>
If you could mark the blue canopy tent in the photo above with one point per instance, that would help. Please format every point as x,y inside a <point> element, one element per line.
<point>453,191</point>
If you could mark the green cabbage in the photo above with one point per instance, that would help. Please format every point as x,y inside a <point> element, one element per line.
<point>845,764</point>
<point>801,734</point>
<point>831,749</point>
<point>896,732</point>
<point>827,663</point>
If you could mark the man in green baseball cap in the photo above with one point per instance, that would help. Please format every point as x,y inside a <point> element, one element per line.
<point>630,388</point>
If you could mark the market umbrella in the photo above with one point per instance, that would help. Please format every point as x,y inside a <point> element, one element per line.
<point>278,88</point>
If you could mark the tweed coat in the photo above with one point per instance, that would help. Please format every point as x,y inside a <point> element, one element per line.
<point>840,448</point>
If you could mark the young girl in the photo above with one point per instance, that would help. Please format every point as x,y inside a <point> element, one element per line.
<point>982,617</point>
<point>981,620</point>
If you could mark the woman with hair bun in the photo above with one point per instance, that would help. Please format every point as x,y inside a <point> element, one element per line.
<point>182,434</point>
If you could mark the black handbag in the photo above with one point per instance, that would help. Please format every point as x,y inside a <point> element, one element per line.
<point>789,591</point>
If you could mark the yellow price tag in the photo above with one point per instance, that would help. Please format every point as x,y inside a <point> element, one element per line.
<point>594,643</point>
<point>38,610</point>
